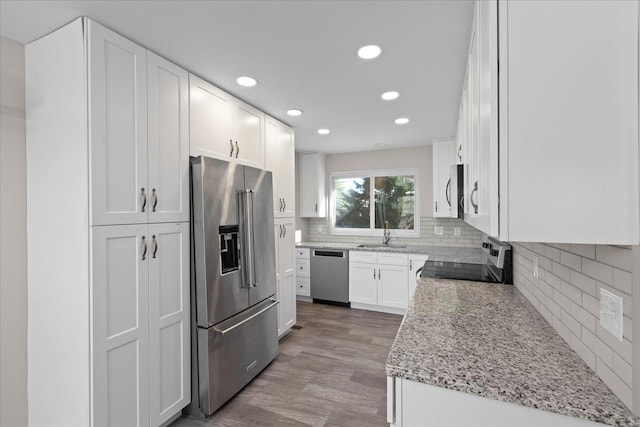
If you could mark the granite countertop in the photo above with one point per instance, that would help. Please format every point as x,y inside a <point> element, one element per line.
<point>436,253</point>
<point>487,339</point>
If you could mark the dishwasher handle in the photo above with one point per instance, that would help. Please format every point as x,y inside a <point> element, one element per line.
<point>335,254</point>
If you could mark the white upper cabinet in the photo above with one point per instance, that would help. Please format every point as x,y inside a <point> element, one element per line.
<point>312,186</point>
<point>280,159</point>
<point>569,122</point>
<point>168,137</point>
<point>443,159</point>
<point>558,160</point>
<point>209,120</point>
<point>224,127</point>
<point>118,128</point>
<point>247,126</point>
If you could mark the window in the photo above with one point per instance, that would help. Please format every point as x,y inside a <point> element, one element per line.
<point>362,202</point>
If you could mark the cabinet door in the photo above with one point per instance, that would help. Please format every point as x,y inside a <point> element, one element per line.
<point>393,290</point>
<point>248,131</point>
<point>209,120</point>
<point>416,262</point>
<point>272,163</point>
<point>312,186</point>
<point>443,159</point>
<point>363,283</point>
<point>287,284</point>
<point>472,185</point>
<point>168,118</point>
<point>118,129</point>
<point>120,325</point>
<point>169,321</point>
<point>287,171</point>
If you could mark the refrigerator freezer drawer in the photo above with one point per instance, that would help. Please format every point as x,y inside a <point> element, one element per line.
<point>233,352</point>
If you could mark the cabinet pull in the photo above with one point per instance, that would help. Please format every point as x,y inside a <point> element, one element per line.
<point>237,149</point>
<point>284,227</point>
<point>374,273</point>
<point>316,208</point>
<point>280,230</point>
<point>155,199</point>
<point>144,199</point>
<point>155,246</point>
<point>231,145</point>
<point>379,275</point>
<point>436,206</point>
<point>410,265</point>
<point>284,204</point>
<point>281,205</point>
<point>447,190</point>
<point>475,205</point>
<point>144,248</point>
<point>460,155</point>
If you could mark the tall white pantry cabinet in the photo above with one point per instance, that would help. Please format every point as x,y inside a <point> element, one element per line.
<point>108,231</point>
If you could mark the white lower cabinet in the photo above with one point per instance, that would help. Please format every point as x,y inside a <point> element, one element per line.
<point>411,404</point>
<point>284,230</point>
<point>303,273</point>
<point>140,305</point>
<point>416,262</point>
<point>378,281</point>
<point>120,300</point>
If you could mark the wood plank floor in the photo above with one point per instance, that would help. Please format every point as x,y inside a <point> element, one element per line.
<point>329,373</point>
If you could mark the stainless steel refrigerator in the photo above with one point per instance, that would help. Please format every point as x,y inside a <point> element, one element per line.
<point>234,279</point>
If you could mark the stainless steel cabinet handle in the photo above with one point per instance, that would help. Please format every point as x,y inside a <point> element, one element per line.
<point>144,248</point>
<point>280,230</point>
<point>155,199</point>
<point>460,155</point>
<point>374,273</point>
<point>155,246</point>
<point>284,203</point>
<point>253,316</point>
<point>144,199</point>
<point>237,149</point>
<point>447,190</point>
<point>475,190</point>
<point>410,265</point>
<point>436,206</point>
<point>316,208</point>
<point>231,145</point>
<point>284,227</point>
<point>281,205</point>
<point>379,275</point>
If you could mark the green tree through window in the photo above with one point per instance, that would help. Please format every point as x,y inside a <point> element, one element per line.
<point>393,200</point>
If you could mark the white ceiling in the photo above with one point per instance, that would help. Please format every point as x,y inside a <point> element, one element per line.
<point>303,54</point>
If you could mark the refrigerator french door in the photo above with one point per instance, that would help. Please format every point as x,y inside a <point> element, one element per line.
<point>234,275</point>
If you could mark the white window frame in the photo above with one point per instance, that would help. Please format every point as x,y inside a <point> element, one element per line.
<point>372,231</point>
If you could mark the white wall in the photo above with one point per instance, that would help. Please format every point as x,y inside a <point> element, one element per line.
<point>13,237</point>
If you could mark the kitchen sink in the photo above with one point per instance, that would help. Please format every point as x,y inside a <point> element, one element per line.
<point>382,246</point>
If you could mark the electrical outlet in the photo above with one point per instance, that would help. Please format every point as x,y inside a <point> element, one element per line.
<point>456,231</point>
<point>611,313</point>
<point>535,267</point>
<point>438,230</point>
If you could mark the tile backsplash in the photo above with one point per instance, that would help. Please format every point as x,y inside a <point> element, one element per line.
<point>567,294</point>
<point>468,236</point>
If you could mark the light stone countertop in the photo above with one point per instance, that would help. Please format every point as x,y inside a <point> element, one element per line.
<point>436,253</point>
<point>487,339</point>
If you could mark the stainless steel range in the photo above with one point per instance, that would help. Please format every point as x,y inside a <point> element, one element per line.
<point>497,268</point>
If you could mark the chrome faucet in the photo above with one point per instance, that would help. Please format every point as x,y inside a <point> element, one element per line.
<point>387,234</point>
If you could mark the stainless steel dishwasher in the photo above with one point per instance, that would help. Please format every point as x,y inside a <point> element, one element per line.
<point>330,276</point>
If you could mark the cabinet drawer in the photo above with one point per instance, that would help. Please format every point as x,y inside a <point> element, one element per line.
<point>392,259</point>
<point>303,286</point>
<point>303,268</point>
<point>302,253</point>
<point>363,256</point>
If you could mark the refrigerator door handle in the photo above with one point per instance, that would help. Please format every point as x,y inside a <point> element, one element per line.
<point>248,247</point>
<point>253,316</point>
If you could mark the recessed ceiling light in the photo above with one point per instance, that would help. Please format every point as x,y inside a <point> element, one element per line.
<point>294,112</point>
<point>402,121</point>
<point>246,81</point>
<point>324,131</point>
<point>380,145</point>
<point>369,52</point>
<point>388,96</point>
